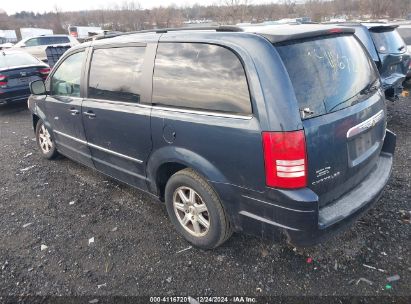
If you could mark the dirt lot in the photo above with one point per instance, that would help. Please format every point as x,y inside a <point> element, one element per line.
<point>62,205</point>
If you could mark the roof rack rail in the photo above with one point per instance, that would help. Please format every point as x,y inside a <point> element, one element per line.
<point>220,28</point>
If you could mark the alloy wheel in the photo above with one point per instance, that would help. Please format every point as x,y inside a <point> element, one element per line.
<point>191,211</point>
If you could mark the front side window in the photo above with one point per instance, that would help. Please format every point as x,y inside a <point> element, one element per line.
<point>66,80</point>
<point>328,74</point>
<point>32,42</point>
<point>115,74</point>
<point>200,76</point>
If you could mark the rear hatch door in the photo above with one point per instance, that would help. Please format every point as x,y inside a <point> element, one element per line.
<point>342,109</point>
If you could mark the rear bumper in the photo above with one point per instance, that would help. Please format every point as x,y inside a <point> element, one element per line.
<point>9,95</point>
<point>392,86</point>
<point>297,213</point>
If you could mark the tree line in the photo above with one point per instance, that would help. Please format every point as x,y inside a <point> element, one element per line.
<point>129,16</point>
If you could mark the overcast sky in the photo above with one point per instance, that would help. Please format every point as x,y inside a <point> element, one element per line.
<point>12,6</point>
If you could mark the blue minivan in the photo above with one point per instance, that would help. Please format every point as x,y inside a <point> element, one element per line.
<point>268,130</point>
<point>389,52</point>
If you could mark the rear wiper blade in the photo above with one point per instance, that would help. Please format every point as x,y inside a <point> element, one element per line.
<point>401,48</point>
<point>371,87</point>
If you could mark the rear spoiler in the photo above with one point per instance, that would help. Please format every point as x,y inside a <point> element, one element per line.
<point>382,28</point>
<point>273,38</point>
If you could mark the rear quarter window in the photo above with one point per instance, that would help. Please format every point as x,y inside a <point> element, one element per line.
<point>53,40</point>
<point>200,76</point>
<point>328,74</point>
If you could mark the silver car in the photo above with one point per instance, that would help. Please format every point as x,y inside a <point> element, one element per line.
<point>37,45</point>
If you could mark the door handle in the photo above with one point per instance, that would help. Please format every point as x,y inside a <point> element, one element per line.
<point>74,111</point>
<point>90,114</point>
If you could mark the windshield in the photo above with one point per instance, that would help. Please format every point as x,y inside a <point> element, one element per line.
<point>388,41</point>
<point>405,34</point>
<point>10,60</point>
<point>328,74</point>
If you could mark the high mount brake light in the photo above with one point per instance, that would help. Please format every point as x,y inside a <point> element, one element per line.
<point>285,159</point>
<point>335,31</point>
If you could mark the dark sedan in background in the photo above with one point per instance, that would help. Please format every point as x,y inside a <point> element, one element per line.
<point>17,70</point>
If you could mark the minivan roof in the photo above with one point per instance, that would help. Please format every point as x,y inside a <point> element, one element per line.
<point>274,33</point>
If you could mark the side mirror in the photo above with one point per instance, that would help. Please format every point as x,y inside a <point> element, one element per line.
<point>37,87</point>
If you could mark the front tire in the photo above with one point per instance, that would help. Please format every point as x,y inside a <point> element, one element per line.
<point>45,141</point>
<point>196,211</point>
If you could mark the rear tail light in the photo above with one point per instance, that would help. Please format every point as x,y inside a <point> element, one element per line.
<point>44,72</point>
<point>74,34</point>
<point>285,159</point>
<point>3,81</point>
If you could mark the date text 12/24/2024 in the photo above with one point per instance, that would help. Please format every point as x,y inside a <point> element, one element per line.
<point>197,300</point>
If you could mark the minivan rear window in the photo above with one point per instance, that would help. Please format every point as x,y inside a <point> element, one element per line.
<point>388,41</point>
<point>328,74</point>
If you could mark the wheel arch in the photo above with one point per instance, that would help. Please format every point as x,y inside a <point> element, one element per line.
<point>168,160</point>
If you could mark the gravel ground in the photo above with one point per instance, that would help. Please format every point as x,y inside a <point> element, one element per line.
<point>62,205</point>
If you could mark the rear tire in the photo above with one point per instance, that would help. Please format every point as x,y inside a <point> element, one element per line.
<point>196,211</point>
<point>45,141</point>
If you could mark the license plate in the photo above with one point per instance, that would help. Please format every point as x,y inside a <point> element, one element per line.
<point>24,80</point>
<point>363,143</point>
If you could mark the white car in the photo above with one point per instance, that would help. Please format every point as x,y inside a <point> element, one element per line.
<point>36,46</point>
<point>405,32</point>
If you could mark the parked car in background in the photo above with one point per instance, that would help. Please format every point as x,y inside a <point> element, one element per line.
<point>405,32</point>
<point>389,52</point>
<point>28,32</point>
<point>7,38</point>
<point>17,70</point>
<point>83,32</point>
<point>36,46</point>
<point>260,129</point>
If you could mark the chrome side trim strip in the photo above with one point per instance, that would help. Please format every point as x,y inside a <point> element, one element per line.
<point>271,204</point>
<point>199,112</point>
<point>366,124</point>
<point>115,153</point>
<point>262,219</point>
<point>71,137</point>
<point>98,147</point>
<point>173,109</point>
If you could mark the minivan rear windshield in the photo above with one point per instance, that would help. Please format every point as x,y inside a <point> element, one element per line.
<point>328,74</point>
<point>388,42</point>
